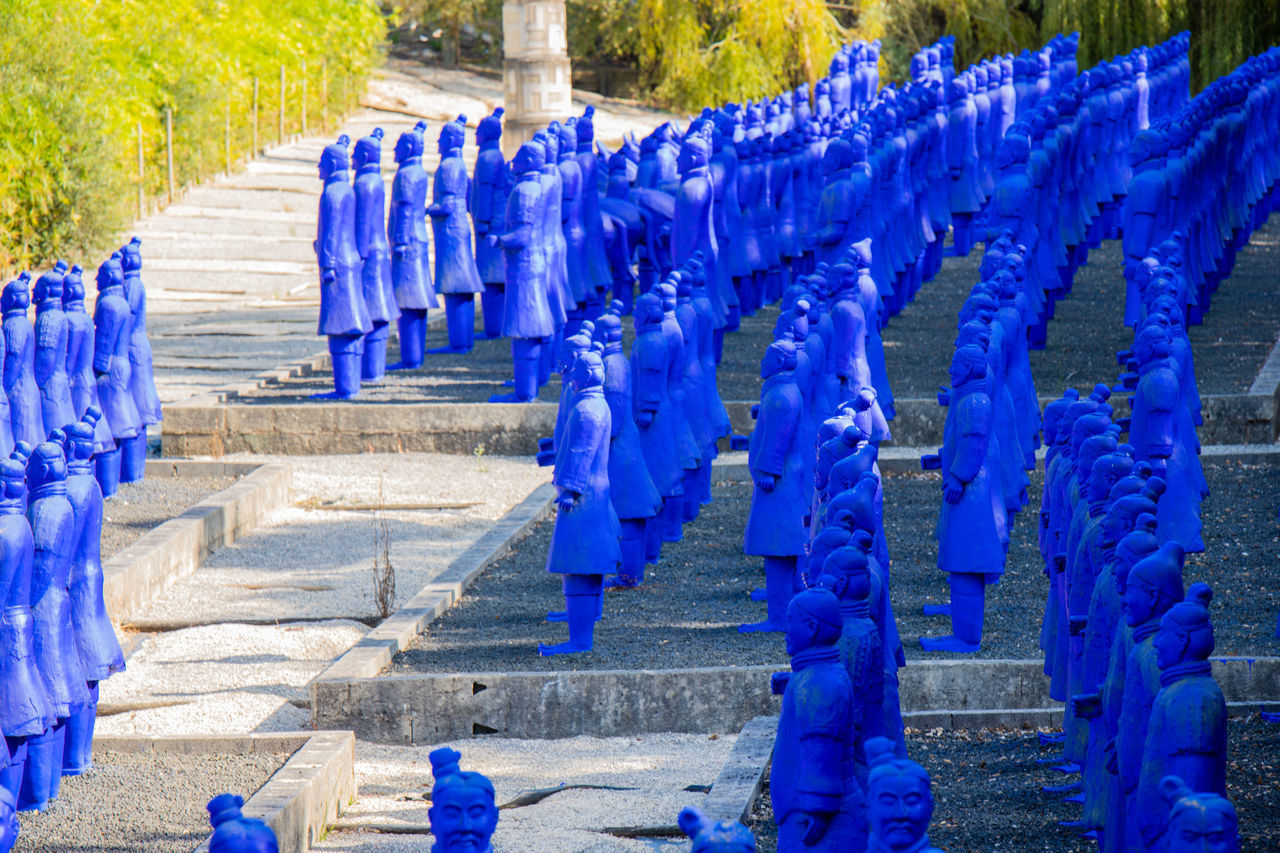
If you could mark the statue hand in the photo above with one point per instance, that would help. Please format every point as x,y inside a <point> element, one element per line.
<point>952,488</point>
<point>944,396</point>
<point>491,239</point>
<point>816,829</point>
<point>1109,751</point>
<point>328,276</point>
<point>644,419</point>
<point>399,250</point>
<point>566,500</point>
<point>1076,625</point>
<point>1087,705</point>
<point>765,482</point>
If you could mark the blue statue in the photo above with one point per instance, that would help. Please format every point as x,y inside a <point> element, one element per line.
<point>632,491</point>
<point>344,320</point>
<point>861,646</point>
<point>584,544</point>
<point>463,813</point>
<point>816,801</point>
<point>775,526</point>
<point>113,372</point>
<point>25,711</point>
<point>20,384</point>
<point>693,330</point>
<point>579,281</point>
<point>52,523</point>
<point>693,229</point>
<point>51,335</point>
<point>142,383</point>
<point>969,546</point>
<point>1198,820</point>
<point>407,231</point>
<point>9,826</point>
<point>233,832</point>
<point>526,318</point>
<point>655,412</point>
<point>687,430</point>
<point>709,836</point>
<point>489,188</point>
<point>592,221</point>
<point>375,254</point>
<point>456,275</point>
<point>550,233</point>
<point>899,801</point>
<point>96,644</point>
<point>79,365</point>
<point>1187,731</point>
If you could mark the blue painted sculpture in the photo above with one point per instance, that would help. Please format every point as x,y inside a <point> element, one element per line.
<point>592,221</point>
<point>25,711</point>
<point>584,544</point>
<point>693,229</point>
<point>1187,730</point>
<point>9,821</point>
<point>20,385</point>
<point>96,644</point>
<point>632,491</point>
<point>344,319</point>
<point>550,233</point>
<point>51,335</point>
<point>1198,820</point>
<point>775,526</point>
<point>407,231</point>
<point>142,383</point>
<point>969,546</point>
<point>79,365</point>
<point>375,254</point>
<point>814,804</point>
<point>52,523</point>
<point>526,318</point>
<point>899,801</point>
<point>710,836</point>
<point>688,430</point>
<point>112,370</point>
<point>463,813</point>
<point>861,646</point>
<point>489,188</point>
<point>233,832</point>
<point>578,275</point>
<point>457,277</point>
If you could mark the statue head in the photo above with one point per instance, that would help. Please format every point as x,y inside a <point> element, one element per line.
<point>1151,342</point>
<point>1015,148</point>
<point>668,293</point>
<point>490,128</point>
<point>694,153</point>
<point>13,473</point>
<point>530,158</point>
<point>587,371</point>
<point>839,63</point>
<point>453,135</point>
<point>48,286</point>
<point>245,835</point>
<point>109,275</point>
<point>586,129</point>
<point>1138,543</point>
<point>850,579</point>
<point>368,150</point>
<point>648,310</point>
<point>80,441</point>
<point>813,620</point>
<point>1154,585</point>
<point>919,65</point>
<point>1186,632</point>
<point>463,814</point>
<point>568,134</point>
<point>711,836</point>
<point>16,296</point>
<point>1198,822</point>
<point>969,362</point>
<point>131,255</point>
<point>73,286</point>
<point>48,463</point>
<point>333,159</point>
<point>780,356</point>
<point>408,146</point>
<point>899,799</point>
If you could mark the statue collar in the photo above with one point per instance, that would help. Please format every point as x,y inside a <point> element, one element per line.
<point>813,656</point>
<point>415,160</point>
<point>612,347</point>
<point>782,377</point>
<point>370,169</point>
<point>79,466</point>
<point>15,312</point>
<point>695,172</point>
<point>50,489</point>
<point>875,845</point>
<point>1184,670</point>
<point>489,144</point>
<point>972,385</point>
<point>339,176</point>
<point>590,391</point>
<point>853,607</point>
<point>1145,630</point>
<point>12,506</point>
<point>1154,364</point>
<point>1097,508</point>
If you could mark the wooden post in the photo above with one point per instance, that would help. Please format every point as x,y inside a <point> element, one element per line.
<point>227,136</point>
<point>324,97</point>
<point>168,145</point>
<point>304,97</point>
<point>255,117</point>
<point>142,185</point>
<point>280,124</point>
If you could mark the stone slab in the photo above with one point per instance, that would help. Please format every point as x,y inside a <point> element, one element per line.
<point>136,575</point>
<point>742,776</point>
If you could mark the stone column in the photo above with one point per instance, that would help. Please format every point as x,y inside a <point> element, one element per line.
<point>535,68</point>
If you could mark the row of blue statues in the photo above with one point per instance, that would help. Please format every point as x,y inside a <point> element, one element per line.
<point>58,639</point>
<point>66,361</point>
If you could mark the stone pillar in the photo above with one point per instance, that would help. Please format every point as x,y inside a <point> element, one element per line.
<point>535,68</point>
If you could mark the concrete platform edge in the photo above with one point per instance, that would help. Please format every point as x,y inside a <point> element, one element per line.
<point>740,780</point>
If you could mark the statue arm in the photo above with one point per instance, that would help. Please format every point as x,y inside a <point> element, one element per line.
<point>366,213</point>
<point>776,426</point>
<point>520,215</point>
<point>104,345</point>
<point>819,788</point>
<point>583,434</point>
<point>328,249</point>
<point>46,358</point>
<point>973,422</point>
<point>648,379</point>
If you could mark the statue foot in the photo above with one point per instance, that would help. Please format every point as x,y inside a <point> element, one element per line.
<point>1075,798</point>
<point>1067,767</point>
<point>758,595</point>
<point>1066,788</point>
<point>949,643</point>
<point>1091,835</point>
<point>761,627</point>
<point>937,610</point>
<point>566,648</point>
<point>558,616</point>
<point>447,350</point>
<point>1047,739</point>
<point>509,398</point>
<point>401,365</point>
<point>615,582</point>
<point>333,395</point>
<point>1073,824</point>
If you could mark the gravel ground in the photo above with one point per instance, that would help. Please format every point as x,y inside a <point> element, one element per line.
<point>497,625</point>
<point>142,803</point>
<point>141,505</point>
<point>472,377</point>
<point>501,619</point>
<point>986,788</point>
<point>656,769</point>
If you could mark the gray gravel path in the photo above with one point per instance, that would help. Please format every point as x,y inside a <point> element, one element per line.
<point>153,803</point>
<point>139,506</point>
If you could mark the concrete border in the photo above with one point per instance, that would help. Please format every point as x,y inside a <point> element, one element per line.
<point>374,652</point>
<point>299,800</point>
<point>435,707</point>
<point>138,574</point>
<point>736,788</point>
